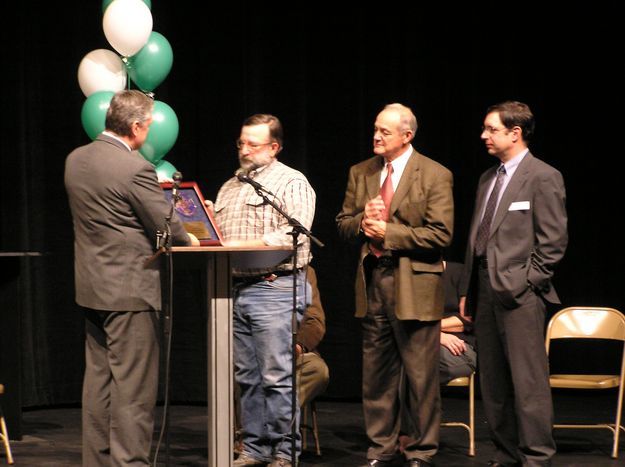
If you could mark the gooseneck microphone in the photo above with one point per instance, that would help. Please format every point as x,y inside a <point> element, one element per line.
<point>245,178</point>
<point>177,177</point>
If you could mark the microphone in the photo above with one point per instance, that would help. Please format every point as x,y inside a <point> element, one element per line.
<point>177,177</point>
<point>245,178</point>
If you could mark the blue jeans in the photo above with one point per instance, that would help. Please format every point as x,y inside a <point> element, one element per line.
<point>263,363</point>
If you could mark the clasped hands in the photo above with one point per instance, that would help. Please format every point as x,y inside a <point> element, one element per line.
<point>373,224</point>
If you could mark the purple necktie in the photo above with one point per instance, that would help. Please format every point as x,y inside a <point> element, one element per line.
<point>483,230</point>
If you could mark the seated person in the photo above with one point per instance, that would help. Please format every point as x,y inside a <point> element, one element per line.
<point>312,371</point>
<point>458,357</point>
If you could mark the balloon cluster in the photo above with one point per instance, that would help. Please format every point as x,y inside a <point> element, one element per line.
<point>144,57</point>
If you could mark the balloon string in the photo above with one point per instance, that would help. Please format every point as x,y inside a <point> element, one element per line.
<point>127,66</point>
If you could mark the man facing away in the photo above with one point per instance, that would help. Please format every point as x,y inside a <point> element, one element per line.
<point>117,208</point>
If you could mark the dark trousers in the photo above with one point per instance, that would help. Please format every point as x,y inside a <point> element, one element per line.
<point>120,387</point>
<point>393,347</point>
<point>514,376</point>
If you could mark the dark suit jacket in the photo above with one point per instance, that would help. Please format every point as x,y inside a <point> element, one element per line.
<point>420,225</point>
<point>528,236</point>
<point>117,207</point>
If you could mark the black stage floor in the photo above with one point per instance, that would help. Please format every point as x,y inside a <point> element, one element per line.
<point>52,435</point>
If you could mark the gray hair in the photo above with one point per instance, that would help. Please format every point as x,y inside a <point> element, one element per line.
<point>408,121</point>
<point>128,106</point>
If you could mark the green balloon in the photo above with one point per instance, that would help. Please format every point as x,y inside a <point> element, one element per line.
<point>93,113</point>
<point>106,3</point>
<point>151,65</point>
<point>164,170</point>
<point>163,133</point>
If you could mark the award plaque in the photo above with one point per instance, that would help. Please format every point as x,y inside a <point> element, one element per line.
<point>192,211</point>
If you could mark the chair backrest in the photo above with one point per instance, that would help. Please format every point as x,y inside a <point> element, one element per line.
<point>586,322</point>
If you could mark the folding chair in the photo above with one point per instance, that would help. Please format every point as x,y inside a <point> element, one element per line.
<point>590,323</point>
<point>470,427</point>
<point>310,409</point>
<point>4,435</point>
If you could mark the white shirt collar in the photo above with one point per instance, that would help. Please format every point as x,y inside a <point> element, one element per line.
<point>513,163</point>
<point>114,136</point>
<point>399,164</point>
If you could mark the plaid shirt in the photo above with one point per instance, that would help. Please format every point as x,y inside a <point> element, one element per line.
<point>241,214</point>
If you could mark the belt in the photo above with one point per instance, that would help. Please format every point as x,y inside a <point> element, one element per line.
<point>269,277</point>
<point>482,262</point>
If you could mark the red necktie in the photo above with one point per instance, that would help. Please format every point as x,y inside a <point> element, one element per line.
<point>386,191</point>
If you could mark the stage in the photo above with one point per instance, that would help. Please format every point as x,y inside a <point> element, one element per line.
<point>51,436</point>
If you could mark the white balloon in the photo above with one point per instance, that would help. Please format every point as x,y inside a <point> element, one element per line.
<point>101,70</point>
<point>127,25</point>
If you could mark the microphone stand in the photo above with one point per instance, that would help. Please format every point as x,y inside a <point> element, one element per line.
<point>298,229</point>
<point>163,245</point>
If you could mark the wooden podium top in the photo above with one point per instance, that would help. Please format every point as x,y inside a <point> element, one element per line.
<point>217,249</point>
<point>243,257</point>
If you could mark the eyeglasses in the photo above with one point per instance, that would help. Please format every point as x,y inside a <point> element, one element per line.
<point>252,146</point>
<point>491,130</point>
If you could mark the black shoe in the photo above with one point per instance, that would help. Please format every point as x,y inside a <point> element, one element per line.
<point>379,463</point>
<point>417,463</point>
<point>499,464</point>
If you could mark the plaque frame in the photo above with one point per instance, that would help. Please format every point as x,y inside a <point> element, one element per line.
<point>191,208</point>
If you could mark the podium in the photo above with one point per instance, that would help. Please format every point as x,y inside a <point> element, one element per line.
<point>13,283</point>
<point>218,262</point>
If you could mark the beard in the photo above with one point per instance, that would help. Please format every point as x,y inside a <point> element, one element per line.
<point>254,161</point>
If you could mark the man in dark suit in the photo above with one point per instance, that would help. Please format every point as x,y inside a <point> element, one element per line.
<point>117,208</point>
<point>516,240</point>
<point>402,225</point>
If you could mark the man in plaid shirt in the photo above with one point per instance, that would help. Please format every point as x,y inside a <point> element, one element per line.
<point>263,298</point>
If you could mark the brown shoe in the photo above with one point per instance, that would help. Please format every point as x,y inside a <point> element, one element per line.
<point>246,461</point>
<point>280,462</point>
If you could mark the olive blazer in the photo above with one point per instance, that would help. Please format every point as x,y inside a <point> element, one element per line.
<point>420,225</point>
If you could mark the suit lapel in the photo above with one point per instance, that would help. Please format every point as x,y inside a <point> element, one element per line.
<point>372,177</point>
<point>408,177</point>
<point>410,174</point>
<point>515,184</point>
<point>480,201</point>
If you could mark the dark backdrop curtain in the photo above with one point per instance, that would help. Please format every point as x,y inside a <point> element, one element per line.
<point>326,76</point>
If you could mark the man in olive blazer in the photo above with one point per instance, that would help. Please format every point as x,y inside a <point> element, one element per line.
<point>509,270</point>
<point>399,292</point>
